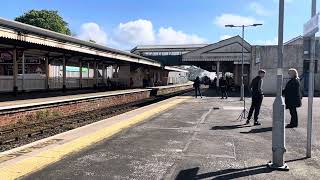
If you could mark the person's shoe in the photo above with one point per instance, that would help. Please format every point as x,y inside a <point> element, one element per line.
<point>247,122</point>
<point>256,123</point>
<point>291,126</point>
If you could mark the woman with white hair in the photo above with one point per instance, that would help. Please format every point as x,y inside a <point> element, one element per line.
<point>293,96</point>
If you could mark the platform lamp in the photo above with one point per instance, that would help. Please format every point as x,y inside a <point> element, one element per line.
<point>242,56</point>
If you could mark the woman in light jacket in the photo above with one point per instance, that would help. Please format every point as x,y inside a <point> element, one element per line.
<point>293,96</point>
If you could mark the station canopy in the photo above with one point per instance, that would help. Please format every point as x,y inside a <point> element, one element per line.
<point>229,50</point>
<point>44,42</point>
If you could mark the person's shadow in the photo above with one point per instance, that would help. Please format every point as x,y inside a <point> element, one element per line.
<point>229,127</point>
<point>192,174</point>
<point>260,130</point>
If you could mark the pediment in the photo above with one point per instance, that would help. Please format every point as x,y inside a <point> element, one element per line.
<point>229,48</point>
<point>232,45</point>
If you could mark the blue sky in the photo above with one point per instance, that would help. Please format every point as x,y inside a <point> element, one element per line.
<point>126,23</point>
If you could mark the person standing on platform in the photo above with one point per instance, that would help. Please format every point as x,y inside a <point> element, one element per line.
<point>223,87</point>
<point>293,96</point>
<point>196,86</point>
<point>257,97</point>
<point>131,83</point>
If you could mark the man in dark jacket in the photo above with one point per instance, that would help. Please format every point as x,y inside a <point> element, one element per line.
<point>196,86</point>
<point>223,87</point>
<point>257,97</point>
<point>293,96</point>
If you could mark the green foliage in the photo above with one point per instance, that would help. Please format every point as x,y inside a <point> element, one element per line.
<point>46,19</point>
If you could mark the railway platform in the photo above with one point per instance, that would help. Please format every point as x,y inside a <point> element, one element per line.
<point>178,138</point>
<point>13,111</point>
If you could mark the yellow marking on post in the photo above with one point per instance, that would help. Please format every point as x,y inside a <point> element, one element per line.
<point>45,158</point>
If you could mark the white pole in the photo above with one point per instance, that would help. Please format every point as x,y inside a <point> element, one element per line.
<point>242,64</point>
<point>311,85</point>
<point>218,73</point>
<point>278,127</point>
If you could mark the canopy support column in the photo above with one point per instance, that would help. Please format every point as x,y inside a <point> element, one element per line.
<point>47,72</point>
<point>15,71</point>
<point>64,73</point>
<point>80,73</point>
<point>103,73</point>
<point>95,74</point>
<point>218,73</point>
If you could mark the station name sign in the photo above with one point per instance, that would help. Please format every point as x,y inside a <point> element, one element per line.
<point>311,27</point>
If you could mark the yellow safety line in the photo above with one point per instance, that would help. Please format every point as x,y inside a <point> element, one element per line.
<point>45,158</point>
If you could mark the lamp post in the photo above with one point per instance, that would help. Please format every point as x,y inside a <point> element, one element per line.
<point>311,83</point>
<point>242,56</point>
<point>278,129</point>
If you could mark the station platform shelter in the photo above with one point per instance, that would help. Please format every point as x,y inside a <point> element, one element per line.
<point>225,57</point>
<point>33,59</point>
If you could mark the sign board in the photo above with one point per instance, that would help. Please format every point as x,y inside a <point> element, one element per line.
<point>75,69</point>
<point>214,68</point>
<point>258,56</point>
<point>312,26</point>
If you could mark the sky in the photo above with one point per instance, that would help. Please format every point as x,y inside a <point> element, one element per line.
<point>123,24</point>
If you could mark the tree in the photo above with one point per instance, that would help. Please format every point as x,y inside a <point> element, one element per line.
<point>46,19</point>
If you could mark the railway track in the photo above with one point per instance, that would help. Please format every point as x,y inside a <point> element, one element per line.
<point>22,134</point>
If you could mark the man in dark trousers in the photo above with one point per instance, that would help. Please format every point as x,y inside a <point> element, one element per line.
<point>196,86</point>
<point>223,83</point>
<point>257,97</point>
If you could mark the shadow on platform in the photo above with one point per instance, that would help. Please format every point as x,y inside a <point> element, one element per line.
<point>229,127</point>
<point>192,174</point>
<point>260,130</point>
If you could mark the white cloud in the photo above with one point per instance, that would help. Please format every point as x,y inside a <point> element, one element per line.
<point>171,36</point>
<point>223,37</point>
<point>92,31</point>
<point>135,32</point>
<point>141,32</point>
<point>259,9</point>
<point>235,20</point>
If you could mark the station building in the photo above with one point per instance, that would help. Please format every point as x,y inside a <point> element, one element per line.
<point>33,58</point>
<point>226,57</point>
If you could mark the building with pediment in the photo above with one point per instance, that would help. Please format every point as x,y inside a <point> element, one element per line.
<point>225,57</point>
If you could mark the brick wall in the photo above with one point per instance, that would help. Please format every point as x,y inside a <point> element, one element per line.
<point>62,110</point>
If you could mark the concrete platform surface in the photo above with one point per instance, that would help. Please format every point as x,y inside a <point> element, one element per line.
<point>32,157</point>
<point>197,139</point>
